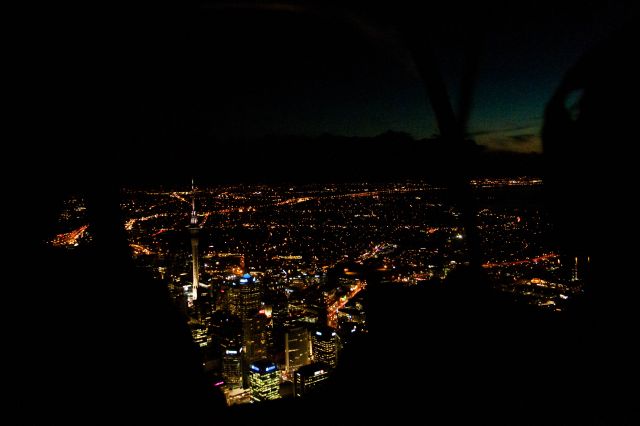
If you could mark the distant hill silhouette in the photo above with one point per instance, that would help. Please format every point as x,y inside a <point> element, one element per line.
<point>291,158</point>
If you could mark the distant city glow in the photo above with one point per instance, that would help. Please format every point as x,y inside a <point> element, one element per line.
<point>310,250</point>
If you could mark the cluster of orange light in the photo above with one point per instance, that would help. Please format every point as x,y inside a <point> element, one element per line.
<point>129,224</point>
<point>139,249</point>
<point>297,200</point>
<point>176,195</point>
<point>340,303</point>
<point>69,238</point>
<point>294,201</point>
<point>520,262</point>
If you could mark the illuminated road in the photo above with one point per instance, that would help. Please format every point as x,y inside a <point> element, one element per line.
<point>179,197</point>
<point>129,223</point>
<point>521,262</point>
<point>139,249</point>
<point>161,231</point>
<point>69,238</point>
<point>332,311</point>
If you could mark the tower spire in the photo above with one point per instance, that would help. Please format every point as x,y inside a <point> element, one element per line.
<point>194,215</point>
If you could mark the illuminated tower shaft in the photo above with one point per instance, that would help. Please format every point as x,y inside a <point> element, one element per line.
<point>194,254</point>
<point>194,229</point>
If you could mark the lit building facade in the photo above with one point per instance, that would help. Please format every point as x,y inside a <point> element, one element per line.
<point>264,381</point>
<point>310,377</point>
<point>200,335</point>
<point>232,366</point>
<point>324,344</point>
<point>249,297</point>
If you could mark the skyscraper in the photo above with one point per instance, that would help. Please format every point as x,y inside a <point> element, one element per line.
<point>279,309</point>
<point>296,348</point>
<point>249,300</point>
<point>194,230</point>
<point>264,381</point>
<point>310,377</point>
<point>324,344</point>
<point>232,366</point>
<point>257,336</point>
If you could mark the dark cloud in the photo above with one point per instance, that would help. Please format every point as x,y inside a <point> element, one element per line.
<point>523,138</point>
<point>523,143</point>
<point>503,130</point>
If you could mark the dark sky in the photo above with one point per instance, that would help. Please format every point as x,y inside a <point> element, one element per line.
<point>308,71</point>
<point>161,86</point>
<point>523,62</point>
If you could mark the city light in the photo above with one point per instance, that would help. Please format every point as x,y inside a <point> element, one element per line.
<point>291,265</point>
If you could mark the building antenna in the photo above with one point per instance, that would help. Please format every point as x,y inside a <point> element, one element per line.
<point>194,215</point>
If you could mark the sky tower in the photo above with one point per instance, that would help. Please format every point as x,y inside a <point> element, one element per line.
<point>194,229</point>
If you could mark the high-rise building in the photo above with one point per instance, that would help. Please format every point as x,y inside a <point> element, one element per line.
<point>249,297</point>
<point>296,348</point>
<point>226,329</point>
<point>230,299</point>
<point>194,230</point>
<point>264,381</point>
<point>257,336</point>
<point>232,366</point>
<point>310,377</point>
<point>279,309</point>
<point>200,334</point>
<point>324,344</point>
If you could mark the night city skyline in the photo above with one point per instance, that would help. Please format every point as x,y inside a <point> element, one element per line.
<point>272,268</point>
<point>303,212</point>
